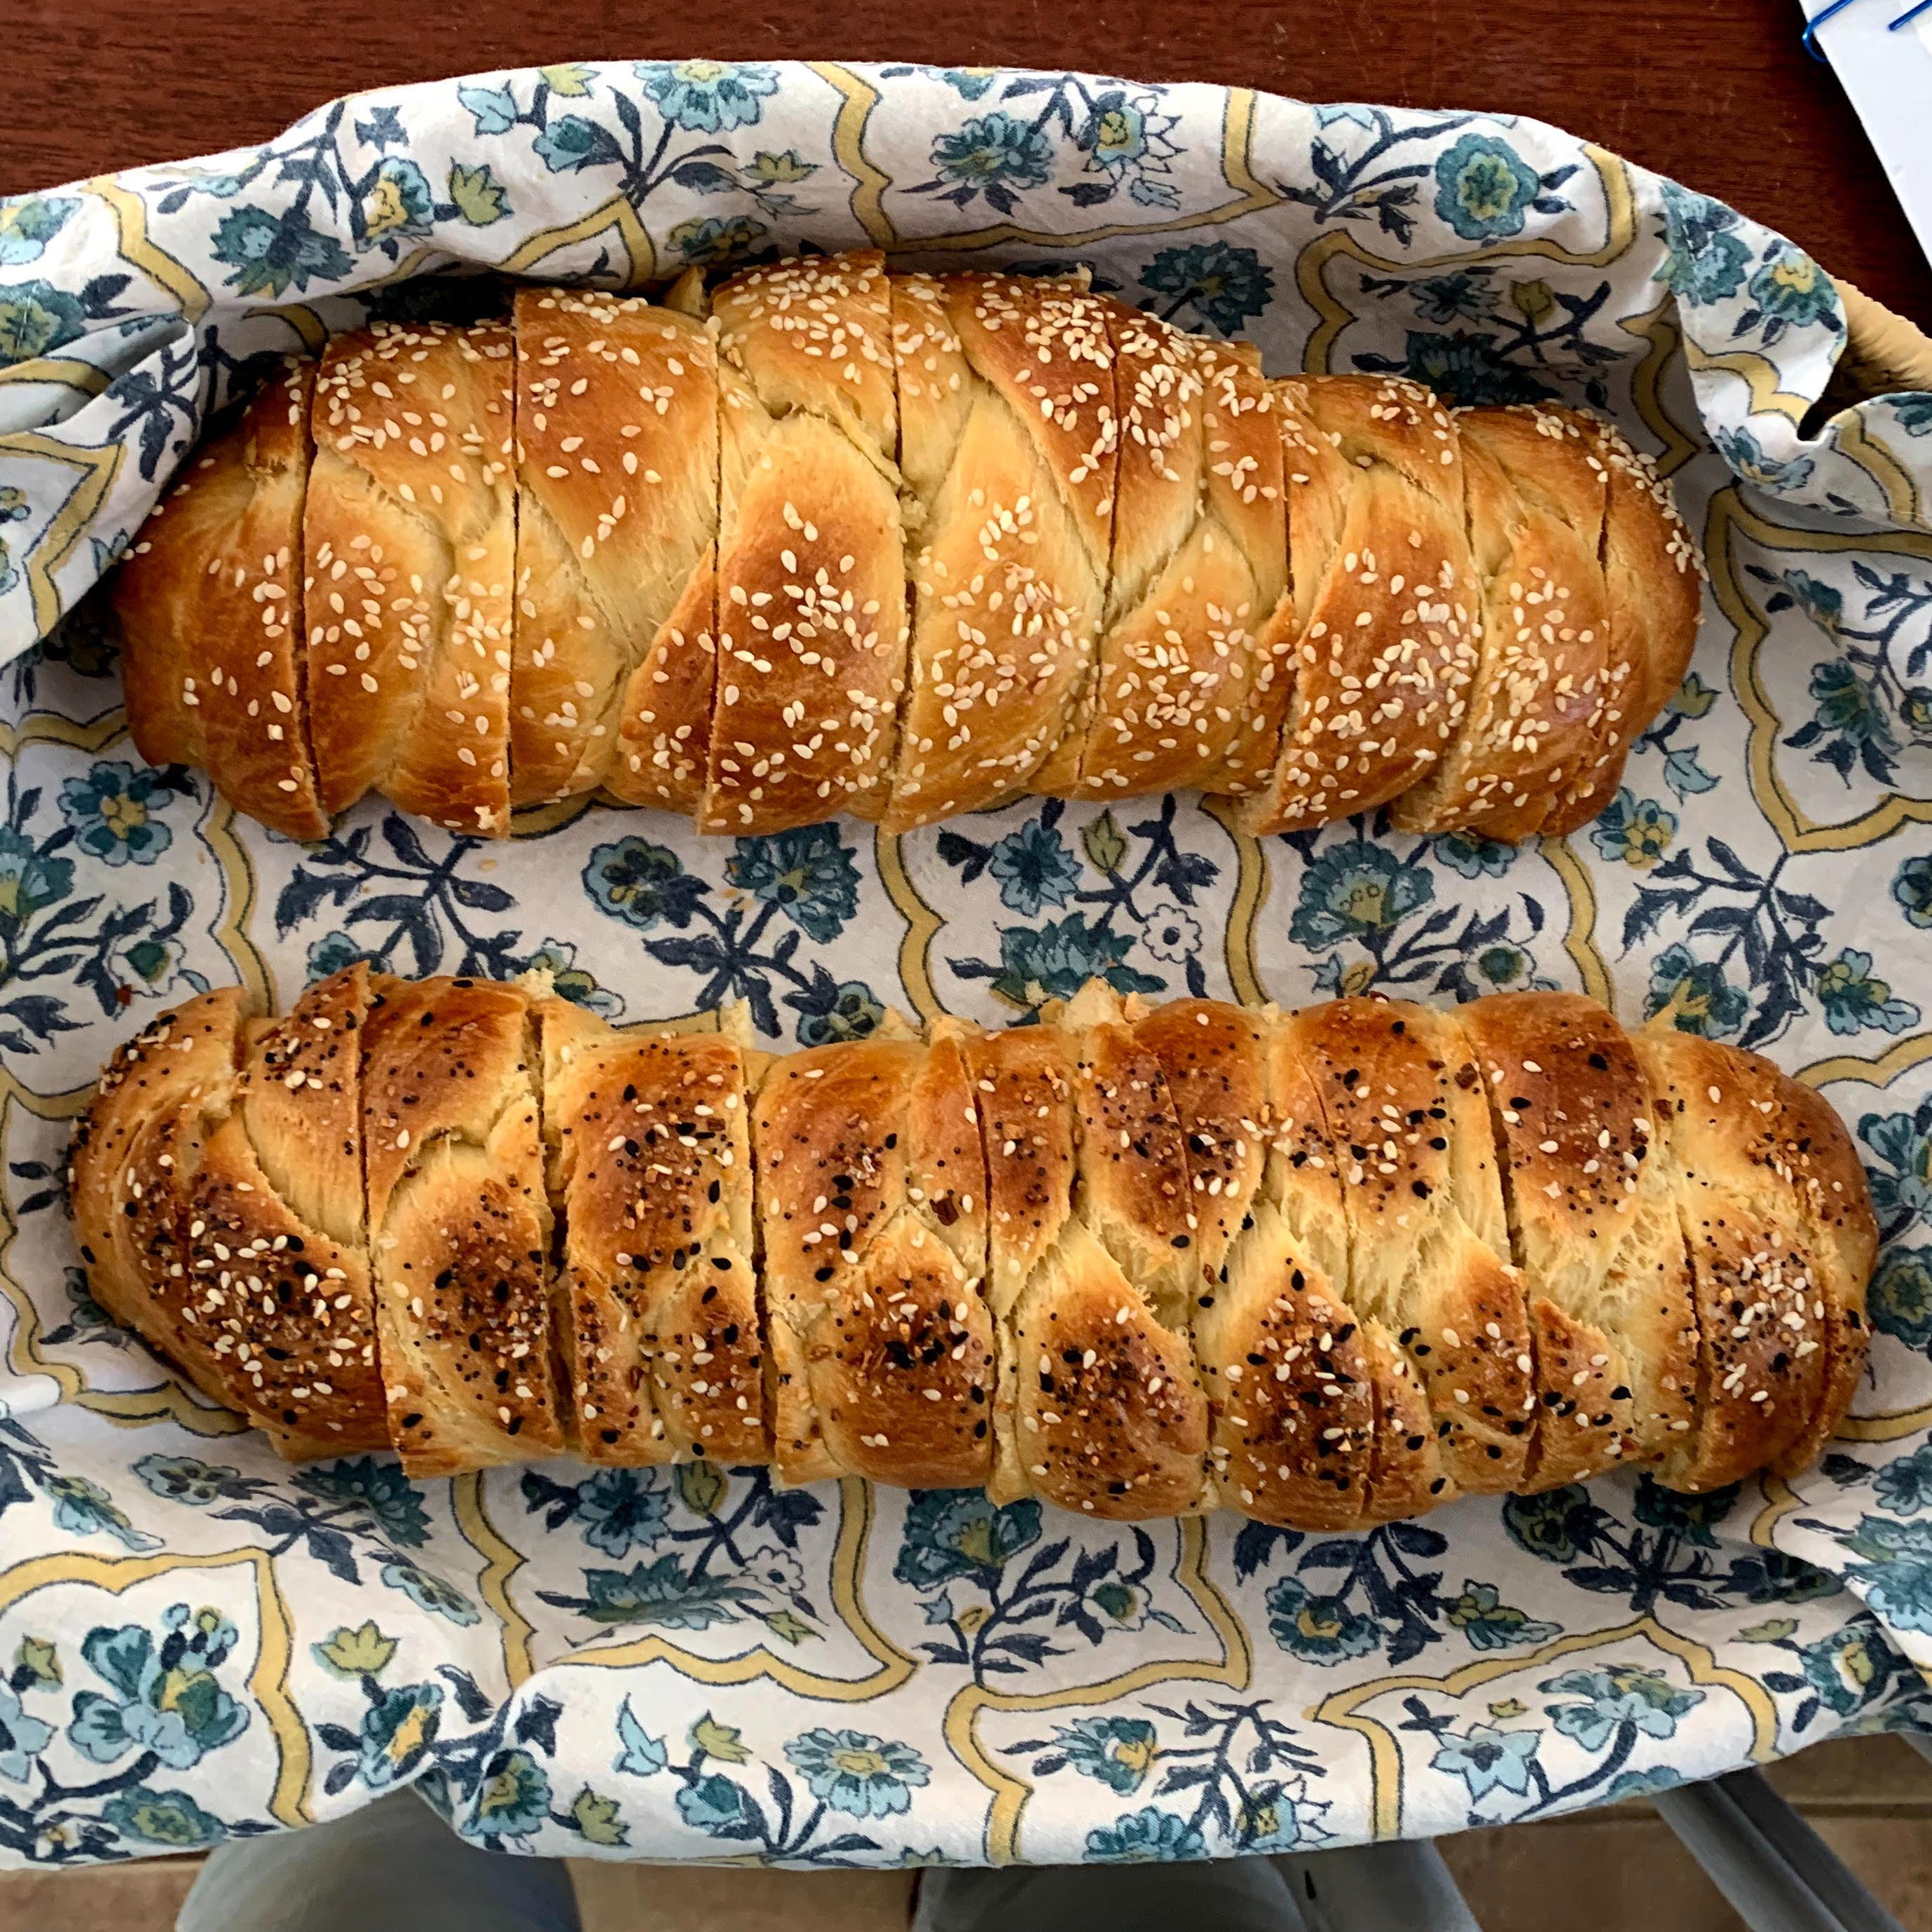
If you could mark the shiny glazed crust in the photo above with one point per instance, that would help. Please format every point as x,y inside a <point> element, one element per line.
<point>1329,1268</point>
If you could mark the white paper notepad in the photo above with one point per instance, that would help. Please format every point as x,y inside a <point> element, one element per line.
<point>1888,77</point>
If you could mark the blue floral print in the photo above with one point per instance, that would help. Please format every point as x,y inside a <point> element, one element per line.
<point>808,875</point>
<point>1634,832</point>
<point>1741,450</point>
<point>171,1821</point>
<point>270,254</point>
<point>514,1799</point>
<point>36,318</point>
<point>1483,188</point>
<point>1758,877</point>
<point>1695,994</point>
<point>1706,256</point>
<point>709,97</point>
<point>1488,1759</point>
<point>1034,868</point>
<point>1119,1752</point>
<point>1143,1838</point>
<point>993,153</point>
<point>29,222</point>
<point>1223,285</point>
<point>23,1738</point>
<point>167,1701</point>
<point>855,1773</point>
<point>429,1591</point>
<point>397,1733</point>
<point>1853,999</point>
<point>1317,1629</point>
<point>1597,1700</point>
<point>1792,287</point>
<point>114,812</point>
<point>1355,890</point>
<point>394,1503</point>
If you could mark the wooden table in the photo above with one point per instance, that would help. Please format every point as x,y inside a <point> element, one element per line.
<point>1717,93</point>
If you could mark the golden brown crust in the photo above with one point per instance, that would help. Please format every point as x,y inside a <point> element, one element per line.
<point>881,1342</point>
<point>907,547</point>
<point>1385,593</point>
<point>649,1148</point>
<point>1292,1396</point>
<point>1429,1241</point>
<point>1765,1325</point>
<point>1595,1229</point>
<point>1133,1187</point>
<point>459,1224</point>
<point>218,1196</point>
<point>1653,584</point>
<point>972,1259</point>
<point>1538,494</point>
<point>664,733</point>
<point>1248,493</point>
<point>1213,1060</point>
<point>1099,1409</point>
<point>1008,456</point>
<point>133,1158</point>
<point>209,603</point>
<point>811,599</point>
<point>616,513</point>
<point>1843,1238</point>
<point>1185,696</point>
<point>409,536</point>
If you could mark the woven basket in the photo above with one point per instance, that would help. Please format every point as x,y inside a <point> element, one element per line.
<point>1883,351</point>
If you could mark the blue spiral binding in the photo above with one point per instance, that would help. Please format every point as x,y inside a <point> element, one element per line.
<point>1818,19</point>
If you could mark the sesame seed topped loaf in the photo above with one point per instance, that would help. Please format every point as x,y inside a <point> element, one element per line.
<point>617,437</point>
<point>408,539</point>
<point>212,613</point>
<point>1329,1268</point>
<point>827,538</point>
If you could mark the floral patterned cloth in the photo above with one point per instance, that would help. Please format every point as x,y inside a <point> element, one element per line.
<point>197,1642</point>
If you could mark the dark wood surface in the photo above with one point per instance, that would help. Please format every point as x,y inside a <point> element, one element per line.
<point>1717,93</point>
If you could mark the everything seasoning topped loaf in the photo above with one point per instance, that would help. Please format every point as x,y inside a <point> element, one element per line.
<point>1328,1267</point>
<point>827,539</point>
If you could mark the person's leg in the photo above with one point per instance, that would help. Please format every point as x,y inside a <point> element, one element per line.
<point>395,1866</point>
<point>1230,1895</point>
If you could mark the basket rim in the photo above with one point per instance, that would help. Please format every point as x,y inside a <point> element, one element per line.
<point>1883,353</point>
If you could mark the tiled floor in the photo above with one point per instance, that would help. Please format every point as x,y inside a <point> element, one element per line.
<point>1870,1799</point>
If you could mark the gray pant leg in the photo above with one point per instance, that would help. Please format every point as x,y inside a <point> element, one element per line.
<point>1228,1895</point>
<point>395,1866</point>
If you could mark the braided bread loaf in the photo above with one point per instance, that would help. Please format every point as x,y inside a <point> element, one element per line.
<point>829,539</point>
<point>1329,1267</point>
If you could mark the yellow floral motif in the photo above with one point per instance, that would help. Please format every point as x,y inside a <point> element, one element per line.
<point>1532,301</point>
<point>700,1487</point>
<point>38,1661</point>
<point>363,1651</point>
<point>408,1740</point>
<point>777,170</point>
<point>1505,1708</point>
<point>571,78</point>
<point>719,1741</point>
<point>596,1818</point>
<point>1357,978</point>
<point>1117,133</point>
<point>123,816</point>
<point>385,210</point>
